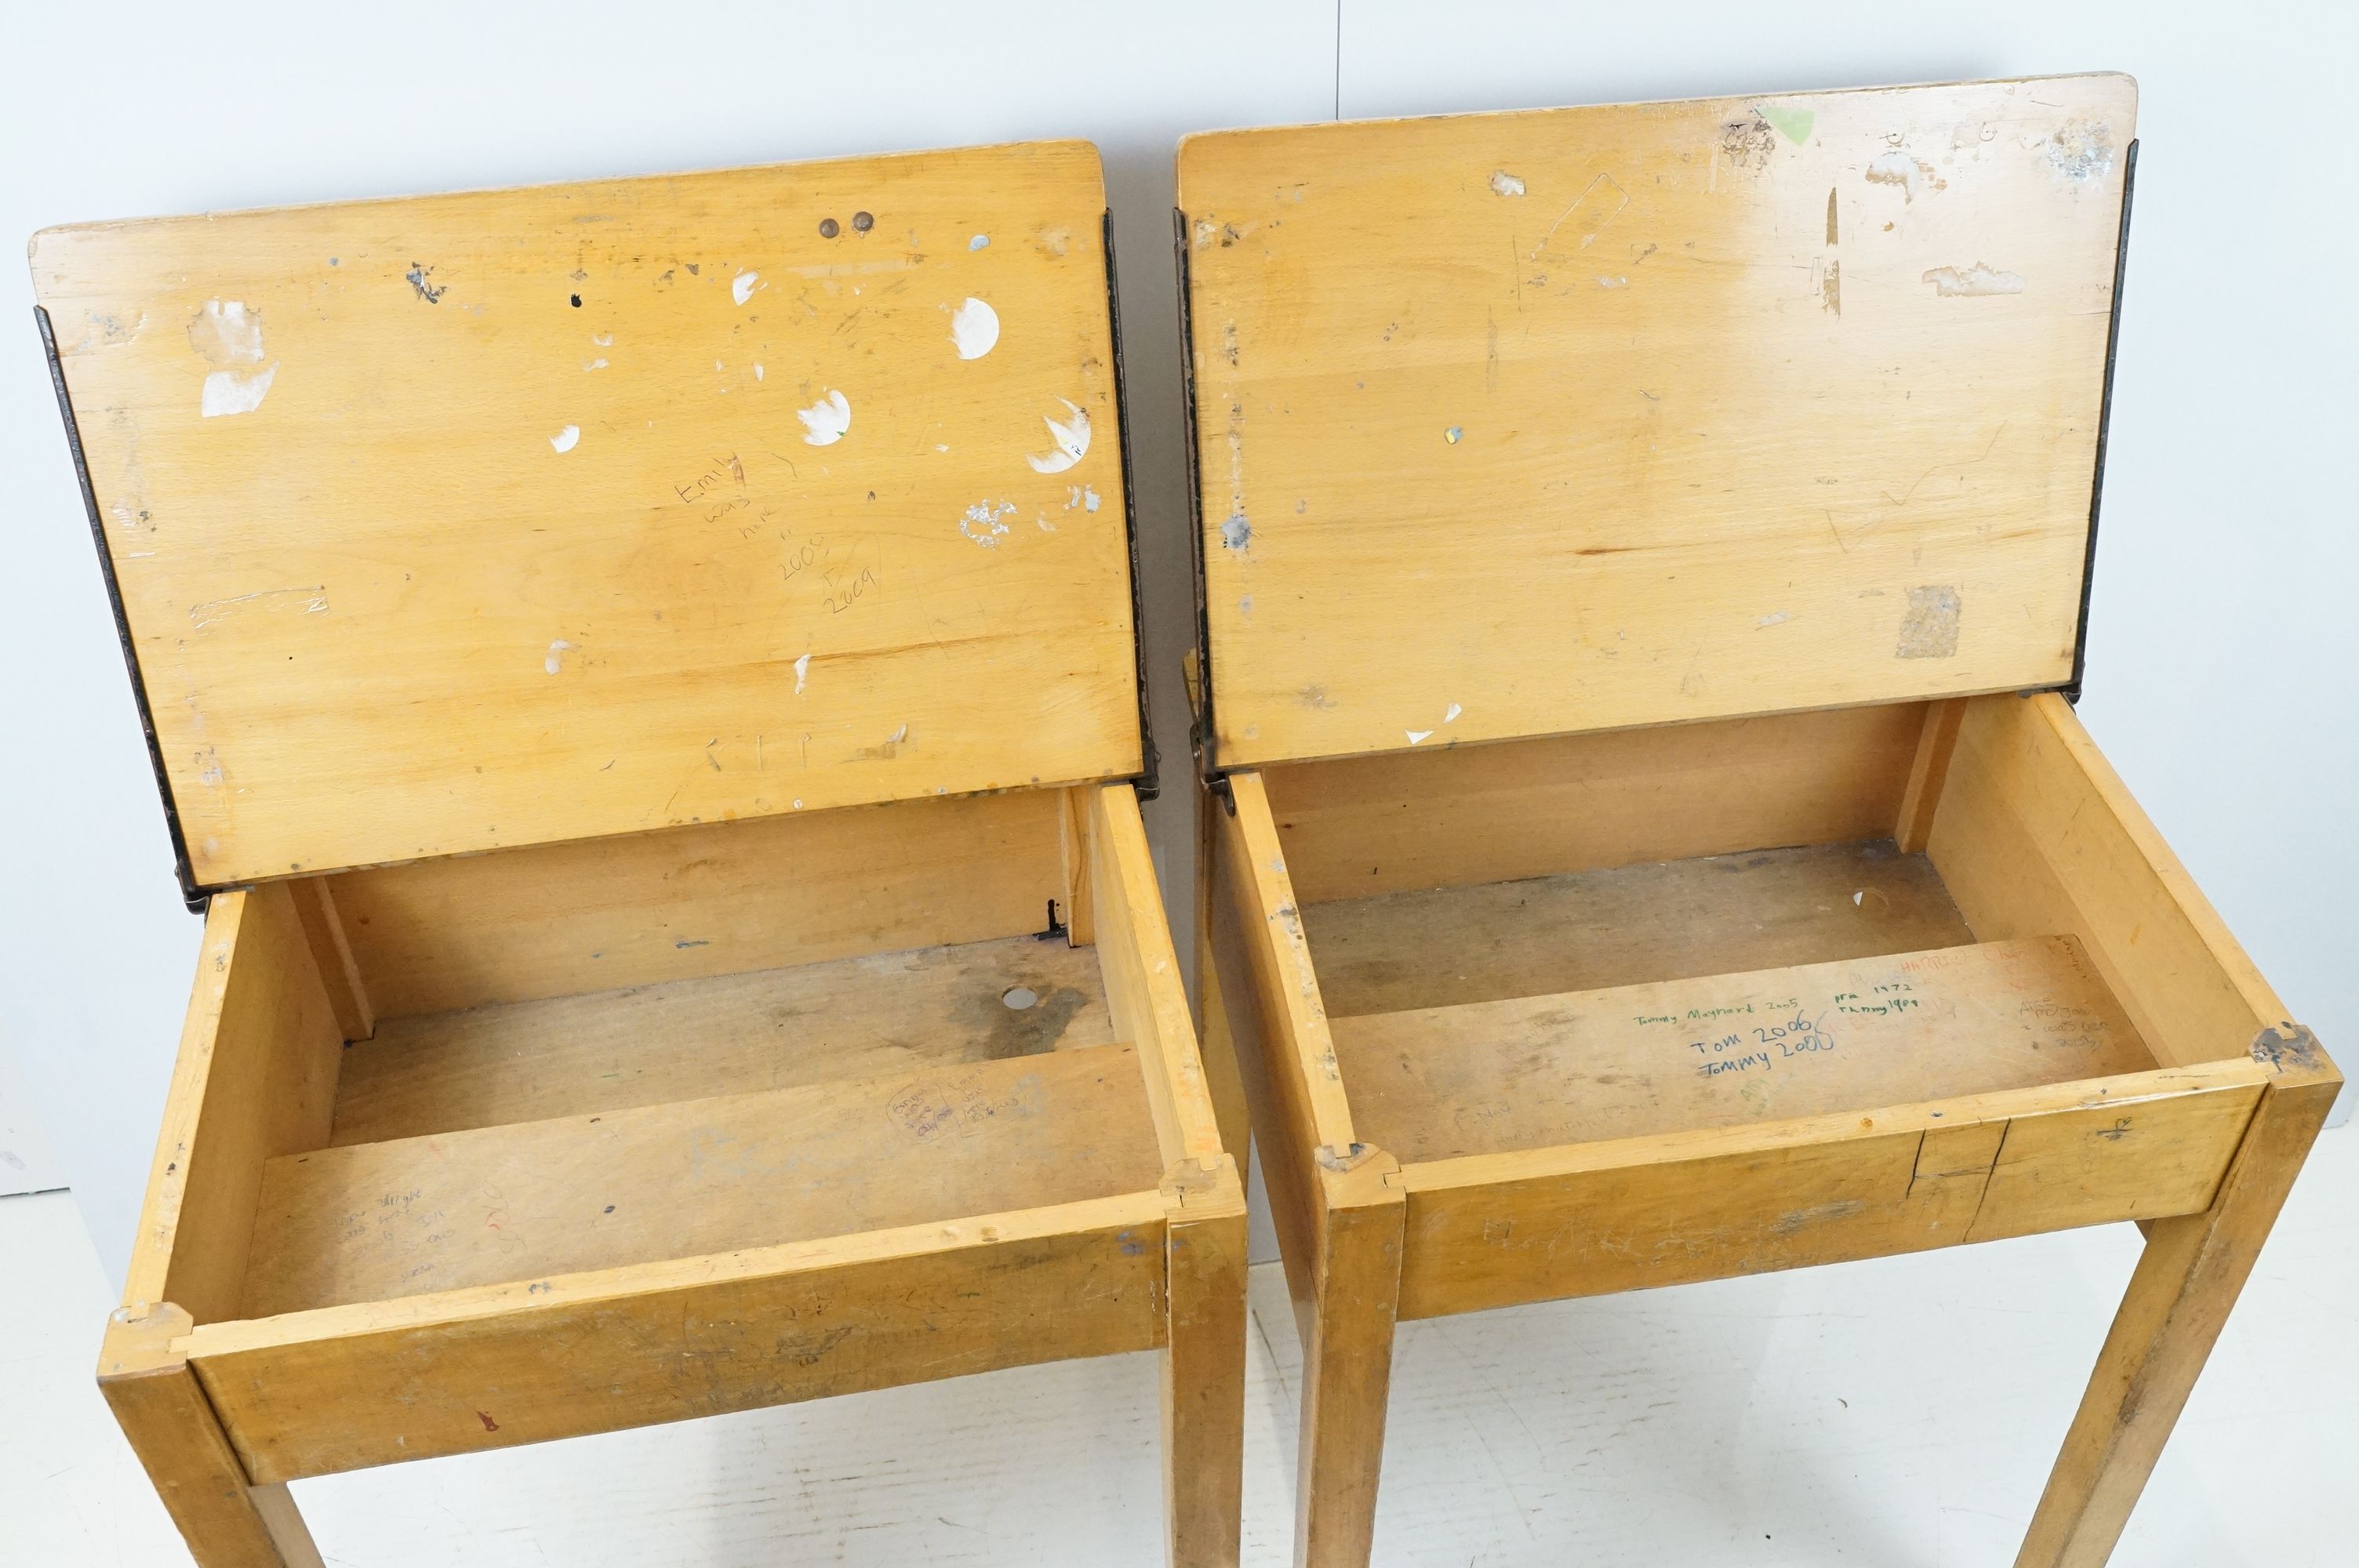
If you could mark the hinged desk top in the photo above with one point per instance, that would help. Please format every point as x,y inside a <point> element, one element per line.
<point>449,523</point>
<point>1531,423</point>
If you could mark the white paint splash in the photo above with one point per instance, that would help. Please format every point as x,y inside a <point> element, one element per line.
<point>1859,897</point>
<point>1091,499</point>
<point>1452,715</point>
<point>565,441</point>
<point>741,288</point>
<point>982,523</point>
<point>898,735</point>
<point>593,364</point>
<point>1416,735</point>
<point>555,663</point>
<point>227,391</point>
<point>1505,184</point>
<point>1072,439</point>
<point>978,243</point>
<point>974,327</point>
<point>1951,283</point>
<point>757,373</point>
<point>825,422</point>
<point>1777,618</point>
<point>603,339</point>
<point>226,333</point>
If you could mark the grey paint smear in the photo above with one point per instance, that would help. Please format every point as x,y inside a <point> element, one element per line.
<point>1929,629</point>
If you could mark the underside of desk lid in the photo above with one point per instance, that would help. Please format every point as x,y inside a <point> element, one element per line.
<point>450,524</point>
<point>1532,423</point>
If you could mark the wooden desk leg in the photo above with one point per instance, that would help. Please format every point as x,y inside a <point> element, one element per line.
<point>2178,1298</point>
<point>1347,1367</point>
<point>1204,1367</point>
<point>227,1521</point>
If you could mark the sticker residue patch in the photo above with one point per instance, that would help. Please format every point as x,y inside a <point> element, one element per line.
<point>226,333</point>
<point>1956,283</point>
<point>1929,629</point>
<point>982,521</point>
<point>2080,151</point>
<point>227,391</point>
<point>1898,168</point>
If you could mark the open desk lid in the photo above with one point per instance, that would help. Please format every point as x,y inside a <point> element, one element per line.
<point>450,524</point>
<point>1524,423</point>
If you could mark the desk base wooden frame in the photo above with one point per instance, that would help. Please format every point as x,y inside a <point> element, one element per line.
<point>2027,828</point>
<point>318,1286</point>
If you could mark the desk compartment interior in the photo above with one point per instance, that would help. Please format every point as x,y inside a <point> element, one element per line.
<point>1650,932</point>
<point>597,1054</point>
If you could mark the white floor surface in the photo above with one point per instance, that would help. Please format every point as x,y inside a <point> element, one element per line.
<point>1900,1413</point>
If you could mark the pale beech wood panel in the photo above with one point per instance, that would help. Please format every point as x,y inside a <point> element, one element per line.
<point>1141,974</point>
<point>2111,1162</point>
<point>1347,1360</point>
<point>1667,921</point>
<point>164,1416</point>
<point>1204,1367</point>
<point>1529,423</point>
<point>1491,1230</point>
<point>1721,1052</point>
<point>522,537</point>
<point>2035,833</point>
<point>563,918</point>
<point>772,1029</point>
<point>1275,1026</point>
<point>2176,1302</point>
<point>367,1222</point>
<point>1429,818</point>
<point>315,1392</point>
<point>255,1079</point>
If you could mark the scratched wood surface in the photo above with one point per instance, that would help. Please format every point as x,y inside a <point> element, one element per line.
<point>772,1029</point>
<point>598,915</point>
<point>255,1077</point>
<point>1429,818</point>
<point>1488,1230</point>
<point>371,1221</point>
<point>1670,920</point>
<point>1529,423</point>
<point>2036,832</point>
<point>494,1366</point>
<point>509,517</point>
<point>1622,1062</point>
